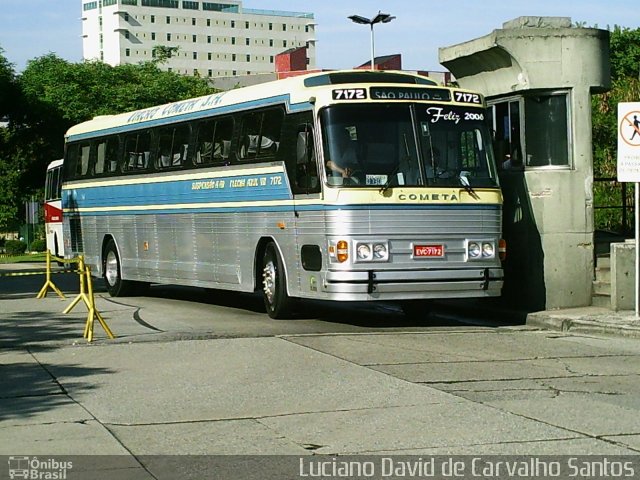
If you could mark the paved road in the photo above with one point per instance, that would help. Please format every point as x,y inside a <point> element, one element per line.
<point>194,372</point>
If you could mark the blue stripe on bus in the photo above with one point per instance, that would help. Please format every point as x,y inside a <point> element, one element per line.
<point>286,208</point>
<point>243,188</point>
<point>279,99</point>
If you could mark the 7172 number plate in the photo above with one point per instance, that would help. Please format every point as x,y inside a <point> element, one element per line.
<point>428,251</point>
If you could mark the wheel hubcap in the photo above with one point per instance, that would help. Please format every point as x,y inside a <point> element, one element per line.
<point>269,281</point>
<point>111,269</point>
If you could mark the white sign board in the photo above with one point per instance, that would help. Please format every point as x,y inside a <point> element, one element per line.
<point>629,142</point>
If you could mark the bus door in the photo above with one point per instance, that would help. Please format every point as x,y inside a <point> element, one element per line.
<point>306,198</point>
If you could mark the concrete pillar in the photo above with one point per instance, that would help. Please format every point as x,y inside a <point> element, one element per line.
<point>548,209</point>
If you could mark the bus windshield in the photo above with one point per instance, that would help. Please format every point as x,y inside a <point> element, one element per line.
<point>407,145</point>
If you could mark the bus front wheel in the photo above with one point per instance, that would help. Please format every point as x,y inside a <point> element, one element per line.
<point>116,286</point>
<point>274,284</point>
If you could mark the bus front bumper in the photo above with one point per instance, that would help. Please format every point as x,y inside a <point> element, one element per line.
<point>413,284</point>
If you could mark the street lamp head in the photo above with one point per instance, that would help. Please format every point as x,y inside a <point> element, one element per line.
<point>379,18</point>
<point>382,18</point>
<point>360,20</point>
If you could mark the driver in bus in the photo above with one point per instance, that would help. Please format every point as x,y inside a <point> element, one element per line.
<point>346,161</point>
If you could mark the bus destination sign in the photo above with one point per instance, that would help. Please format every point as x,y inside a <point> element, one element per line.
<point>407,93</point>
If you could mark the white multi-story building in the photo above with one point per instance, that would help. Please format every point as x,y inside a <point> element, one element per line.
<point>204,38</point>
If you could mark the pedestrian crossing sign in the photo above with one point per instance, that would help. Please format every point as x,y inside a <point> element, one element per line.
<point>629,142</point>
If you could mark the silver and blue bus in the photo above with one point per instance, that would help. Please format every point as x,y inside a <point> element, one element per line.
<point>243,190</point>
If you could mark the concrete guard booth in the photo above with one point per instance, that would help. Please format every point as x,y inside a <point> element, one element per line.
<point>538,75</point>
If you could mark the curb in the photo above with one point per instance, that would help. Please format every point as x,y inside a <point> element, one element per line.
<point>620,324</point>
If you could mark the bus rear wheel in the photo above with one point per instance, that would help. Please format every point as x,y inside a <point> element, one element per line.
<point>116,286</point>
<point>274,284</point>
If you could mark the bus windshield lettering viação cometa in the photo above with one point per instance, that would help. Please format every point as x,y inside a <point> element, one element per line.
<point>344,185</point>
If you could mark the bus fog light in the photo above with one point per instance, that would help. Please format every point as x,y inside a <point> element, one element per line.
<point>488,250</point>
<point>380,251</point>
<point>473,249</point>
<point>364,252</point>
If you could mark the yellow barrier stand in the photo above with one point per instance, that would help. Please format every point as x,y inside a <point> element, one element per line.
<point>48,283</point>
<point>83,290</point>
<point>93,312</point>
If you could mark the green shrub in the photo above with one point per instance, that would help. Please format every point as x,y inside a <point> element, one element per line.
<point>15,247</point>
<point>38,245</point>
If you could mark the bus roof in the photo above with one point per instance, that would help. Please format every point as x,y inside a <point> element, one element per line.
<point>297,93</point>
<point>54,164</point>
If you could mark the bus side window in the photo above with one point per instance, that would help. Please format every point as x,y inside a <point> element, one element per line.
<point>222,141</point>
<point>70,160</point>
<point>213,141</point>
<point>204,143</point>
<point>57,184</point>
<point>270,133</point>
<point>101,152</point>
<point>173,146</point>
<point>249,136</point>
<point>113,151</point>
<point>260,134</point>
<point>137,151</point>
<point>83,160</point>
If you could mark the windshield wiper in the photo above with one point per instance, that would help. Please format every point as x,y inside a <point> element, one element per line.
<point>467,186</point>
<point>392,174</point>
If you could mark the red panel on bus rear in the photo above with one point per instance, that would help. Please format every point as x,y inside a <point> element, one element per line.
<point>52,214</point>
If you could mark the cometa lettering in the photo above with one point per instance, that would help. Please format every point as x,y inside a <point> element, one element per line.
<point>428,197</point>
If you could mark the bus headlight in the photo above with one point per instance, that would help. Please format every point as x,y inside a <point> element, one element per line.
<point>364,252</point>
<point>488,250</point>
<point>380,251</point>
<point>481,249</point>
<point>473,249</point>
<point>372,251</point>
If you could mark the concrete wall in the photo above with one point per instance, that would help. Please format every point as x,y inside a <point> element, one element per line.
<point>623,275</point>
<point>548,212</point>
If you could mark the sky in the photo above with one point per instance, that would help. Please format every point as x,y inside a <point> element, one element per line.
<point>31,28</point>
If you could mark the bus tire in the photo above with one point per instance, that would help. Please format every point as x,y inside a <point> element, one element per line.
<point>274,284</point>
<point>116,286</point>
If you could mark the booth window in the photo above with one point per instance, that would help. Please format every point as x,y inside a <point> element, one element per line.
<point>532,130</point>
<point>547,133</point>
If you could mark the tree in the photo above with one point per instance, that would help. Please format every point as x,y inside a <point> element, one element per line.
<point>9,170</point>
<point>625,67</point>
<point>625,52</point>
<point>56,94</point>
<point>162,53</point>
<point>8,89</point>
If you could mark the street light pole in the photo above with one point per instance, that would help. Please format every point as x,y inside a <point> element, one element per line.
<point>379,18</point>
<point>373,55</point>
